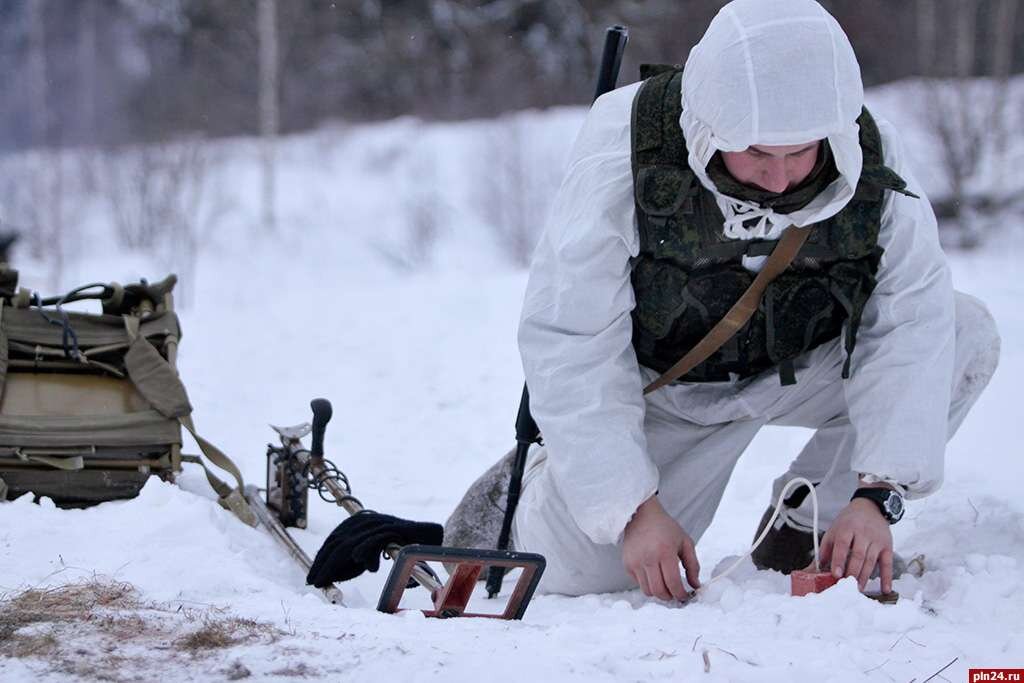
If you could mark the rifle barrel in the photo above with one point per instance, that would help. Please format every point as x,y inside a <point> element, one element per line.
<point>611,59</point>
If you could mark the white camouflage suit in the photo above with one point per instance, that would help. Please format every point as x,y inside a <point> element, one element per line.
<point>923,353</point>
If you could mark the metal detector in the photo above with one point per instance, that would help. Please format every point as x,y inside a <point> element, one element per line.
<point>293,470</point>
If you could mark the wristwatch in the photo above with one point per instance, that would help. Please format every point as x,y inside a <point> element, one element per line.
<point>889,502</point>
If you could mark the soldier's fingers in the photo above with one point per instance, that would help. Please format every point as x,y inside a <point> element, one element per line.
<point>855,561</point>
<point>825,550</point>
<point>657,583</point>
<point>673,578</point>
<point>688,554</point>
<point>641,578</point>
<point>870,559</point>
<point>885,560</point>
<point>840,551</point>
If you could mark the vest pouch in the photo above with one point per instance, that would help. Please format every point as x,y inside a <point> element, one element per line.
<point>708,296</point>
<point>800,313</point>
<point>659,292</point>
<point>662,190</point>
<point>853,281</point>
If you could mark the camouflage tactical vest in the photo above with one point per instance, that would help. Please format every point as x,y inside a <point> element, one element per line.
<point>688,274</point>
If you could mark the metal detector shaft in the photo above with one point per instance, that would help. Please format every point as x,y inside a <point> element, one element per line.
<point>271,523</point>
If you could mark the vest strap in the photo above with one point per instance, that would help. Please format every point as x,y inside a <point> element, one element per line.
<point>740,312</point>
<point>787,374</point>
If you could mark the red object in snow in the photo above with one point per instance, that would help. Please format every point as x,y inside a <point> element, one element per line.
<point>803,582</point>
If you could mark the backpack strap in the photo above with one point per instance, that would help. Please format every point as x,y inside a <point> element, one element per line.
<point>160,385</point>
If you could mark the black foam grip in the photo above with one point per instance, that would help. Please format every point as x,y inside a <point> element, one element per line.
<point>322,413</point>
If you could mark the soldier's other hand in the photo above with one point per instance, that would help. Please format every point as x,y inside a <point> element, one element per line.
<point>653,546</point>
<point>859,539</point>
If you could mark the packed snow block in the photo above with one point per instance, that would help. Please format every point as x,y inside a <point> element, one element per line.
<point>803,582</point>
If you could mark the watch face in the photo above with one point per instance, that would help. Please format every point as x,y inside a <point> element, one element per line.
<point>894,506</point>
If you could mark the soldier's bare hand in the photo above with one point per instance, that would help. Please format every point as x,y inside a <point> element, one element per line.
<point>859,539</point>
<point>652,548</point>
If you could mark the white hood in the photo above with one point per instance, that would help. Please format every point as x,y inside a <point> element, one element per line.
<point>779,72</point>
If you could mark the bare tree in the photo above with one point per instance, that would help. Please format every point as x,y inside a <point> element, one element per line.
<point>163,199</point>
<point>46,175</point>
<point>518,182</point>
<point>420,209</point>
<point>199,208</point>
<point>1004,19</point>
<point>269,112</point>
<point>37,76</point>
<point>966,113</point>
<point>88,69</point>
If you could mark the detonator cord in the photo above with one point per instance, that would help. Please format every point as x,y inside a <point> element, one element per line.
<point>768,527</point>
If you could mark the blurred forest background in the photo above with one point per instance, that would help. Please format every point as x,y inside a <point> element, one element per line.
<point>168,75</point>
<point>104,72</point>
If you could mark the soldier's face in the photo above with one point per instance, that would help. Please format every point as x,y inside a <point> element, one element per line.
<point>775,168</point>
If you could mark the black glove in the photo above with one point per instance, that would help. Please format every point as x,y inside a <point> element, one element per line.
<point>356,545</point>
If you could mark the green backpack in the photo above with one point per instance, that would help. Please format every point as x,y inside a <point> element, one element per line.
<point>91,404</point>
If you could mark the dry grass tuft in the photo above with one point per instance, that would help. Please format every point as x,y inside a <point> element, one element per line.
<point>100,629</point>
<point>300,670</point>
<point>220,633</point>
<point>30,645</point>
<point>69,603</point>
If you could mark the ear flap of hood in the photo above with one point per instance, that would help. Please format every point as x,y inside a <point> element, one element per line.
<point>774,73</point>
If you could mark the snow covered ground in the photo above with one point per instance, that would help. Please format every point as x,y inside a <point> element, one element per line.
<point>415,347</point>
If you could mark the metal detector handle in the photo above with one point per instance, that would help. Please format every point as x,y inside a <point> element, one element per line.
<point>322,412</point>
<point>611,59</point>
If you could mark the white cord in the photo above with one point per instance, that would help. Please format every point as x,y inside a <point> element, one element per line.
<point>768,527</point>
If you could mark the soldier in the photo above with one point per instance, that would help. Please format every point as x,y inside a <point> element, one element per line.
<point>678,189</point>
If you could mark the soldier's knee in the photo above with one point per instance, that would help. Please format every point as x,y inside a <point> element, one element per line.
<point>977,340</point>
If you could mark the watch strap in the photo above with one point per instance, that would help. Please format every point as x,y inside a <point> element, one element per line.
<point>883,498</point>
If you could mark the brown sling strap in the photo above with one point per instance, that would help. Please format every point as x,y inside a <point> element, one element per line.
<point>740,313</point>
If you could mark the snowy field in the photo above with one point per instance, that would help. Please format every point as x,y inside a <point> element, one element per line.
<point>415,347</point>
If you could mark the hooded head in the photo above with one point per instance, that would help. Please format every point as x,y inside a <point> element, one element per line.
<point>773,73</point>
